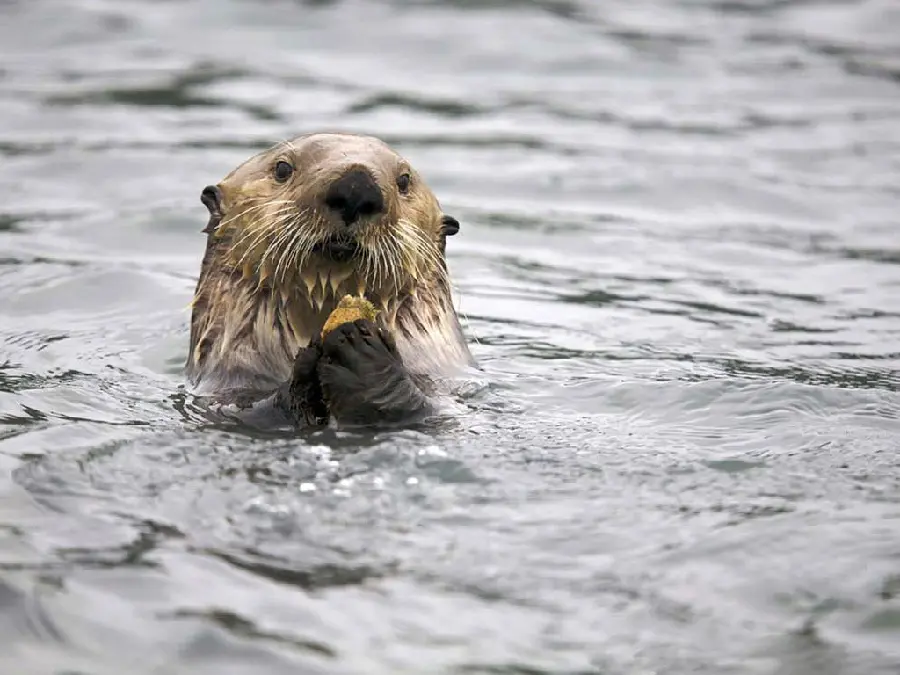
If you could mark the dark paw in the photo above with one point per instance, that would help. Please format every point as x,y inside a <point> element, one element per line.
<point>301,398</point>
<point>363,378</point>
<point>360,347</point>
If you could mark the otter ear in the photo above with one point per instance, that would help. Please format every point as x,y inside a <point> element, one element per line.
<point>449,225</point>
<point>212,200</point>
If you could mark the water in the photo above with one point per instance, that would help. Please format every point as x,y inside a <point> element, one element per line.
<point>679,268</point>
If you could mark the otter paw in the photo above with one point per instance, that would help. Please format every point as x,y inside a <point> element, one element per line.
<point>363,378</point>
<point>301,397</point>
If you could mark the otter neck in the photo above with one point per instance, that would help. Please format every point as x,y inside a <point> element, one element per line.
<point>248,329</point>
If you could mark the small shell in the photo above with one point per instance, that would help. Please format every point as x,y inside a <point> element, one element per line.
<point>349,309</point>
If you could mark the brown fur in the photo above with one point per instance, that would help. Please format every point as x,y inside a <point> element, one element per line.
<point>263,293</point>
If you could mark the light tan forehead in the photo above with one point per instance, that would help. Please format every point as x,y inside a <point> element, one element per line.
<point>322,154</point>
<point>336,150</point>
<point>326,146</point>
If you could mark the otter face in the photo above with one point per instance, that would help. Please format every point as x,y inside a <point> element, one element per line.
<point>330,212</point>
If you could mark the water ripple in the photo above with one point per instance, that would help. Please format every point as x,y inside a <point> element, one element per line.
<point>677,268</point>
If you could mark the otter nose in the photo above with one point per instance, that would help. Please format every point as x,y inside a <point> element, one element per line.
<point>353,195</point>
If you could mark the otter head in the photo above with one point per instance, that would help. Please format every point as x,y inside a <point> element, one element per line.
<point>327,214</point>
<point>295,228</point>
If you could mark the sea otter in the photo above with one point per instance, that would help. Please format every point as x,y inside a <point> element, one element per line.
<point>293,230</point>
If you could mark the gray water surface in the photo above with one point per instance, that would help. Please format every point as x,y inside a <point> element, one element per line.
<point>679,268</point>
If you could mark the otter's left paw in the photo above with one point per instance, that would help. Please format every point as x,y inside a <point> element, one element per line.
<point>363,378</point>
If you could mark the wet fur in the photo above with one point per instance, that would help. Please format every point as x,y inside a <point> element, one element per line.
<point>264,293</point>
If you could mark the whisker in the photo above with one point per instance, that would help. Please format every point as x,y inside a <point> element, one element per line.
<point>250,231</point>
<point>252,207</point>
<point>274,246</point>
<point>260,235</point>
<point>291,254</point>
<point>312,233</point>
<point>289,244</point>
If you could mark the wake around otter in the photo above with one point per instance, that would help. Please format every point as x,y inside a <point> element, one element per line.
<point>291,232</point>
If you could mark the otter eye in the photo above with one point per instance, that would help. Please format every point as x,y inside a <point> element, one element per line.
<point>403,182</point>
<point>283,171</point>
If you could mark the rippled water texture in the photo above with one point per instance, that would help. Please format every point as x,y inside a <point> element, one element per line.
<point>679,265</point>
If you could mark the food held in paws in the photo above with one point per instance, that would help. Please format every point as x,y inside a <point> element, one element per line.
<point>349,309</point>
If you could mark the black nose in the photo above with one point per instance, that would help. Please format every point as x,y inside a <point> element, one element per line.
<point>354,195</point>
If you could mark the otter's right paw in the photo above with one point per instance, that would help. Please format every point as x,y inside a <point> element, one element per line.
<point>363,377</point>
<point>301,398</point>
